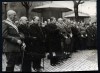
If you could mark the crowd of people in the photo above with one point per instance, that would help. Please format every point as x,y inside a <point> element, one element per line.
<point>27,42</point>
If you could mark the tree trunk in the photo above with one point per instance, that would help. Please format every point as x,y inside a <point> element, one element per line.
<point>76,12</point>
<point>27,12</point>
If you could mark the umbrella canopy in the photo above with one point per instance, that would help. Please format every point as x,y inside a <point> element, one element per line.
<point>51,6</point>
<point>81,14</point>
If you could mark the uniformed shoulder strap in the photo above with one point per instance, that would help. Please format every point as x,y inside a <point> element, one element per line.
<point>11,24</point>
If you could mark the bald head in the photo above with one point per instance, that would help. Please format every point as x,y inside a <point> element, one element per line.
<point>11,14</point>
<point>23,20</point>
<point>60,20</point>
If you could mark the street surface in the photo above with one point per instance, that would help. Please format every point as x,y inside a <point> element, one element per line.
<point>85,60</point>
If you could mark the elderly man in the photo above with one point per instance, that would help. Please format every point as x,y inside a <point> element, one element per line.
<point>24,29</point>
<point>66,37</point>
<point>12,40</point>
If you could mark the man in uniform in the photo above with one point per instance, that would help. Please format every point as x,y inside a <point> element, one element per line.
<point>38,50</point>
<point>12,40</point>
<point>65,43</point>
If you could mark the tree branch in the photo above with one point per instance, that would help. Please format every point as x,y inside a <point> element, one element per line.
<point>74,1</point>
<point>30,4</point>
<point>80,2</point>
<point>23,4</point>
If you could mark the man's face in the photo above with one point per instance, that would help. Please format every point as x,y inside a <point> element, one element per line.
<point>37,20</point>
<point>60,21</point>
<point>54,20</point>
<point>25,21</point>
<point>13,16</point>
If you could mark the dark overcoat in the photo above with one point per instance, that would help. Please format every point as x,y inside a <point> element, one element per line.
<point>37,35</point>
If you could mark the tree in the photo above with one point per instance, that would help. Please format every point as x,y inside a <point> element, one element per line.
<point>76,4</point>
<point>27,6</point>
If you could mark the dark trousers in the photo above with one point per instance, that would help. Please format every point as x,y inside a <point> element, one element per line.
<point>12,60</point>
<point>83,43</point>
<point>76,43</point>
<point>36,63</point>
<point>28,60</point>
<point>53,59</point>
<point>26,67</point>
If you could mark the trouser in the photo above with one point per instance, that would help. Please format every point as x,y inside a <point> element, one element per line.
<point>53,59</point>
<point>36,63</point>
<point>83,43</point>
<point>12,59</point>
<point>26,67</point>
<point>76,43</point>
<point>28,60</point>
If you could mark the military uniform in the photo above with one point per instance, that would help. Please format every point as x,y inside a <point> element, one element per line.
<point>11,48</point>
<point>66,42</point>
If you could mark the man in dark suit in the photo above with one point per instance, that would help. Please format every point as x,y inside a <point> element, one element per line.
<point>76,37</point>
<point>53,39</point>
<point>38,50</point>
<point>12,40</point>
<point>24,29</point>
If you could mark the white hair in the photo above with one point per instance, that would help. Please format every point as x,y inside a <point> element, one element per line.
<point>23,17</point>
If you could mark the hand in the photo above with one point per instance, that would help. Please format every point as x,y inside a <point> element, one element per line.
<point>81,35</point>
<point>34,37</point>
<point>23,46</point>
<point>86,35</point>
<point>19,42</point>
<point>66,37</point>
<point>22,36</point>
<point>71,35</point>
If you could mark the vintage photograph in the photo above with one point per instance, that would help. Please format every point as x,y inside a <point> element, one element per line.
<point>49,36</point>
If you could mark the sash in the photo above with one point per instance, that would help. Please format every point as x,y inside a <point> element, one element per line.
<point>11,24</point>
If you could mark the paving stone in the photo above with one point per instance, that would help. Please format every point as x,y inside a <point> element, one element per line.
<point>85,60</point>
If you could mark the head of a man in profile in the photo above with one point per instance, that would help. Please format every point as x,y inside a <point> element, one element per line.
<point>23,20</point>
<point>36,19</point>
<point>11,14</point>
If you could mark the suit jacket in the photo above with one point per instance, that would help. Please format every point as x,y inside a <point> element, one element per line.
<point>24,29</point>
<point>38,39</point>
<point>53,37</point>
<point>10,36</point>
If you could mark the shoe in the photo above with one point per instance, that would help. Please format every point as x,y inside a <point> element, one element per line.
<point>38,70</point>
<point>53,64</point>
<point>41,67</point>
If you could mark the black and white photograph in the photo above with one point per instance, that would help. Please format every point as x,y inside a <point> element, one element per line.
<point>49,36</point>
